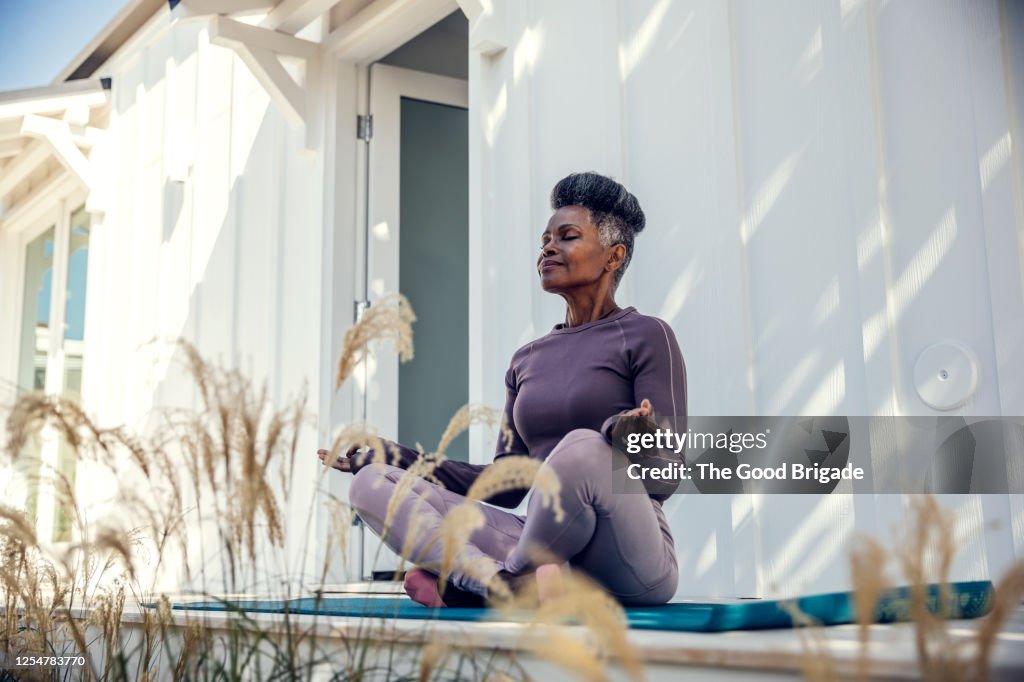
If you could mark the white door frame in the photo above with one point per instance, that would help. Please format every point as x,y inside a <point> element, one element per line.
<point>388,85</point>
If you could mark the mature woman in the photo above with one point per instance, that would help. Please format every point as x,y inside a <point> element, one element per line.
<point>565,392</point>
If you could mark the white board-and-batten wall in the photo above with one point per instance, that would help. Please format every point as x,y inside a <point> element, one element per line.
<point>830,188</point>
<point>213,232</point>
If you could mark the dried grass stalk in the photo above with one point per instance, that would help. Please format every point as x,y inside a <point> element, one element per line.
<point>114,541</point>
<point>926,556</point>
<point>389,318</point>
<point>456,528</point>
<point>422,468</point>
<point>433,656</point>
<point>1008,594</point>
<point>513,472</point>
<point>17,527</point>
<point>868,561</point>
<point>362,435</point>
<point>584,600</point>
<point>817,662</point>
<point>470,414</point>
<point>417,526</point>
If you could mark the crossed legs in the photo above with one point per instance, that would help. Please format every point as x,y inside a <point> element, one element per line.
<point>621,540</point>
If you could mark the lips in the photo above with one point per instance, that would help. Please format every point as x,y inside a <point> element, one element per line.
<point>548,264</point>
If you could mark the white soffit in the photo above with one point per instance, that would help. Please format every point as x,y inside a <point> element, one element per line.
<point>39,125</point>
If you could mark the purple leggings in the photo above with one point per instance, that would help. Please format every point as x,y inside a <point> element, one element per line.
<point>621,540</point>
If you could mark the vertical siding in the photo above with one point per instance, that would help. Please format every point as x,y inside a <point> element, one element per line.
<point>830,188</point>
<point>227,256</point>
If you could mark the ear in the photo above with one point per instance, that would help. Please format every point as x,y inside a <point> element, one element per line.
<point>616,256</point>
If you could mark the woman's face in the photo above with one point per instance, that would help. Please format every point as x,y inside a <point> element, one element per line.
<point>571,254</point>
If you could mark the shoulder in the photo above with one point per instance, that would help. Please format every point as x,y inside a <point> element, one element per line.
<point>640,328</point>
<point>519,357</point>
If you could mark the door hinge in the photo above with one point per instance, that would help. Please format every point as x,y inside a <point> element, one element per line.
<point>364,127</point>
<point>358,309</point>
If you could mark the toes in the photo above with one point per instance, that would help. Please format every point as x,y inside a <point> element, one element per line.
<point>421,587</point>
<point>549,582</point>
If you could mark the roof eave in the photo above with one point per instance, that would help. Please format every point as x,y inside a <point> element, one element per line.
<point>117,31</point>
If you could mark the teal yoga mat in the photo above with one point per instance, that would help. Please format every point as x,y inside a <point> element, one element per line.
<point>969,600</point>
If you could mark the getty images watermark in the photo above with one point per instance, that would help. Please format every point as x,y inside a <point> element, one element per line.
<point>818,454</point>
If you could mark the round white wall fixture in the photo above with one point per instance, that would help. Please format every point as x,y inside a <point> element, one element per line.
<point>946,375</point>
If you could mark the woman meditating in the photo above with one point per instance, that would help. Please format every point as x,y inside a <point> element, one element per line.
<point>565,393</point>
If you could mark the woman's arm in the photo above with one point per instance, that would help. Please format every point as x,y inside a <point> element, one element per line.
<point>454,475</point>
<point>659,375</point>
<point>659,378</point>
<point>509,443</point>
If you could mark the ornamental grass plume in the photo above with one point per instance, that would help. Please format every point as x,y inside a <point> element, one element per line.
<point>510,472</point>
<point>582,600</point>
<point>514,472</point>
<point>361,435</point>
<point>422,468</point>
<point>224,468</point>
<point>432,657</point>
<point>1008,594</point>
<point>240,453</point>
<point>458,525</point>
<point>389,318</point>
<point>340,517</point>
<point>427,463</point>
<point>470,414</point>
<point>416,533</point>
<point>926,547</point>
<point>867,571</point>
<point>925,555</point>
<point>816,661</point>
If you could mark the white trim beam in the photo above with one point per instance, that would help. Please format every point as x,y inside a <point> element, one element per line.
<point>11,147</point>
<point>10,129</point>
<point>283,90</point>
<point>86,137</point>
<point>236,7</point>
<point>231,33</point>
<point>41,198</point>
<point>22,166</point>
<point>52,98</point>
<point>291,16</point>
<point>371,32</point>
<point>260,50</point>
<point>57,134</point>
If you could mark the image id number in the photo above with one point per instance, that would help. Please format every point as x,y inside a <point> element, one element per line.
<point>31,661</point>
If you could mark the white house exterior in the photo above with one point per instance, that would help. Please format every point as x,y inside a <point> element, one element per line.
<point>832,187</point>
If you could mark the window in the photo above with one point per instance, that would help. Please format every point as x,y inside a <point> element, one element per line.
<point>51,353</point>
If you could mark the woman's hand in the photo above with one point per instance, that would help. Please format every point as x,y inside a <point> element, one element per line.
<point>343,463</point>
<point>627,425</point>
<point>645,410</point>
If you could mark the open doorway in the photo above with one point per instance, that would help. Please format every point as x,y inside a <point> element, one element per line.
<point>416,241</point>
<point>418,229</point>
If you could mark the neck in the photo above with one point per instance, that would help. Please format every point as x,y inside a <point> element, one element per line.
<point>580,309</point>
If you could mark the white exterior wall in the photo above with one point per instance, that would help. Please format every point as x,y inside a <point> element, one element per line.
<point>830,188</point>
<point>213,232</point>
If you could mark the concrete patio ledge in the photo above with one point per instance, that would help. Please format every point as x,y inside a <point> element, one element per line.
<point>763,654</point>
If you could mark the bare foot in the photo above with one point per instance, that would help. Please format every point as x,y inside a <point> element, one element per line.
<point>421,586</point>
<point>549,582</point>
<point>547,578</point>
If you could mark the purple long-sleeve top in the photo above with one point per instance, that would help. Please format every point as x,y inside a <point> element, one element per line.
<point>581,377</point>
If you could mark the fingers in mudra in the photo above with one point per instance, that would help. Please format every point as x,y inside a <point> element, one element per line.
<point>339,463</point>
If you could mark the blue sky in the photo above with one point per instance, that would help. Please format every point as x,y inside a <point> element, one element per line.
<point>39,37</point>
